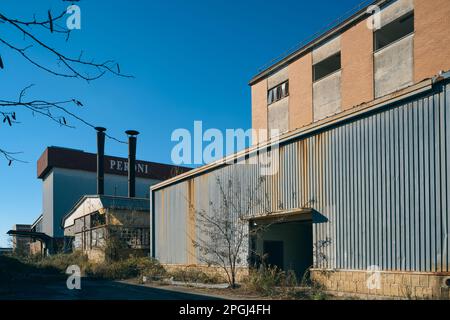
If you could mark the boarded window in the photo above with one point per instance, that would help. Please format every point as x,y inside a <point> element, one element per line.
<point>277,93</point>
<point>327,66</point>
<point>394,31</point>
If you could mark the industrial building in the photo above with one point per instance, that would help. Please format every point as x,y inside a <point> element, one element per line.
<point>94,219</point>
<point>21,245</point>
<point>69,175</point>
<point>362,186</point>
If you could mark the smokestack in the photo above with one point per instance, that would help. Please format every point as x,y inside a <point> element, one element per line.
<point>100,160</point>
<point>132,141</point>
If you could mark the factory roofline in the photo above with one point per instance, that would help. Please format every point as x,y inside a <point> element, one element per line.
<point>57,157</point>
<point>338,26</point>
<point>348,115</point>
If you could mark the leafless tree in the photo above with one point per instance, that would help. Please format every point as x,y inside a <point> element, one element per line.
<point>29,40</point>
<point>224,230</point>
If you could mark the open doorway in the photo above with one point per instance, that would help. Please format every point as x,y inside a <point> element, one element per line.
<point>287,245</point>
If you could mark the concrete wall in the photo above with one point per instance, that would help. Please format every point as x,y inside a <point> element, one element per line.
<point>394,67</point>
<point>395,10</point>
<point>278,78</point>
<point>432,38</point>
<point>300,92</point>
<point>327,96</point>
<point>327,91</point>
<point>278,117</point>
<point>357,66</point>
<point>409,285</point>
<point>327,49</point>
<point>278,112</point>
<point>47,204</point>
<point>64,187</point>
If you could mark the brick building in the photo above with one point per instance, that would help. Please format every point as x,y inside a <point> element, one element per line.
<point>361,192</point>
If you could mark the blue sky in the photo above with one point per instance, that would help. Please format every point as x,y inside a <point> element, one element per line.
<point>191,60</point>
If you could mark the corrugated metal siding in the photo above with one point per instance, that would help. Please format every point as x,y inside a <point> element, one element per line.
<point>380,183</point>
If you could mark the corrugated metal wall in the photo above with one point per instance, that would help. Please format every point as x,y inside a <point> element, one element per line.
<point>378,185</point>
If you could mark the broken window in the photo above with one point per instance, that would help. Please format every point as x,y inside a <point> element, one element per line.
<point>327,66</point>
<point>97,220</point>
<point>277,93</point>
<point>394,31</point>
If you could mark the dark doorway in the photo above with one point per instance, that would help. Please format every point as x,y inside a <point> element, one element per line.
<point>287,245</point>
<point>274,254</point>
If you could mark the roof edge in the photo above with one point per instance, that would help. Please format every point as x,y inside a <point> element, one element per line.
<point>413,90</point>
<point>83,198</point>
<point>288,58</point>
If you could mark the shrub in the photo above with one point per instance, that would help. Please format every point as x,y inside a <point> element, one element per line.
<point>151,268</point>
<point>270,280</point>
<point>195,276</point>
<point>126,269</point>
<point>61,261</point>
<point>115,248</point>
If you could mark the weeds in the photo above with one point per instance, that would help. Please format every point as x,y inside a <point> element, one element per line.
<point>126,269</point>
<point>270,281</point>
<point>195,276</point>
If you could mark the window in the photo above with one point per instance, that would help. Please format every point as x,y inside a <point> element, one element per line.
<point>394,31</point>
<point>279,92</point>
<point>97,220</point>
<point>326,67</point>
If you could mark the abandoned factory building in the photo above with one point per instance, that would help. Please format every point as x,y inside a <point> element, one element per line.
<point>363,161</point>
<point>68,176</point>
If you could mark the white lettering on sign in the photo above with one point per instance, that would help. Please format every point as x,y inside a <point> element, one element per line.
<point>119,165</point>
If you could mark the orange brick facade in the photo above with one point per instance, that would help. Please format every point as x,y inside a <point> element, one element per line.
<point>300,95</point>
<point>357,66</point>
<point>259,105</point>
<point>431,55</point>
<point>431,50</point>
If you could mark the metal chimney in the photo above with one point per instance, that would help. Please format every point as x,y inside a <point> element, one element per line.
<point>132,141</point>
<point>100,160</point>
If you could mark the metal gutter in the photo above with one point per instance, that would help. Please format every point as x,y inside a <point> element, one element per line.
<point>347,115</point>
<point>283,216</point>
<point>289,58</point>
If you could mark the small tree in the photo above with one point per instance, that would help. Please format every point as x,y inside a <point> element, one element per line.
<point>224,230</point>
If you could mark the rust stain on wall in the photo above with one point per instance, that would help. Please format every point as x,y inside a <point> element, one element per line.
<point>191,228</point>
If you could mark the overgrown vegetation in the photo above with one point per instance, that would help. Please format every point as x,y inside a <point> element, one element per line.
<point>195,276</point>
<point>270,281</point>
<point>57,264</point>
<point>278,284</point>
<point>60,262</point>
<point>126,269</point>
<point>266,281</point>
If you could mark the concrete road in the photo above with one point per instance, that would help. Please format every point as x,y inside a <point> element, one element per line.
<point>56,289</point>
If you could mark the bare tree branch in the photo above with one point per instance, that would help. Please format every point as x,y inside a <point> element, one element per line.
<point>65,66</point>
<point>224,229</point>
<point>71,65</point>
<point>11,156</point>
